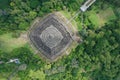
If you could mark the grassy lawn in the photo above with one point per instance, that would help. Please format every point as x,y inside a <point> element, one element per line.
<point>68,16</point>
<point>37,75</point>
<point>98,19</point>
<point>102,17</point>
<point>4,4</point>
<point>2,79</point>
<point>94,18</point>
<point>5,76</point>
<point>8,43</point>
<point>107,14</point>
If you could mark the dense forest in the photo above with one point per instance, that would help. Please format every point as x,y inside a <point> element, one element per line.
<point>96,58</point>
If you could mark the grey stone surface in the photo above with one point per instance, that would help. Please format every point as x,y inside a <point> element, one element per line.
<point>50,36</point>
<point>22,67</point>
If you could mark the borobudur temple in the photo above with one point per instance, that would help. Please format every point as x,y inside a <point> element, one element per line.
<point>51,36</point>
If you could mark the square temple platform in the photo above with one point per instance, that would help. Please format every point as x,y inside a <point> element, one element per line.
<point>51,36</point>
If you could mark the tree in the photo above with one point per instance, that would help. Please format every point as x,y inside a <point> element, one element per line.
<point>34,3</point>
<point>23,25</point>
<point>32,14</point>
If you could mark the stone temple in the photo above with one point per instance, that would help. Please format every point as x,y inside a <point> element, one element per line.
<point>51,36</point>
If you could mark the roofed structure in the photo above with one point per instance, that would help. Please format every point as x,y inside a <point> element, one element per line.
<point>86,5</point>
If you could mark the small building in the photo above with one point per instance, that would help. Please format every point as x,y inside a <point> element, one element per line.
<point>16,61</point>
<point>86,5</point>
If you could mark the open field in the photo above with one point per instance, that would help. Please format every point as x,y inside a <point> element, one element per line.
<point>94,18</point>
<point>99,19</point>
<point>37,75</point>
<point>107,14</point>
<point>5,77</point>
<point>8,43</point>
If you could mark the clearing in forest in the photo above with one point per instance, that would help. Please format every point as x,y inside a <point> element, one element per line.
<point>8,43</point>
<point>102,17</point>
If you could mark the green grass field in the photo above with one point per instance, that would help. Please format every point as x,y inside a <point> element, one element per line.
<point>107,14</point>
<point>8,43</point>
<point>5,76</point>
<point>68,16</point>
<point>93,17</point>
<point>37,74</point>
<point>102,17</point>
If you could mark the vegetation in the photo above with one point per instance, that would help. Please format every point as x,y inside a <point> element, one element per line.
<point>97,58</point>
<point>9,41</point>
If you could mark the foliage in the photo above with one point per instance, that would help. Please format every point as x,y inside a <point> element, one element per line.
<point>97,58</point>
<point>4,4</point>
<point>10,41</point>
